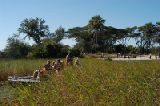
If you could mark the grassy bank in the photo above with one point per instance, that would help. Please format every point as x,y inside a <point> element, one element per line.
<point>9,67</point>
<point>95,82</point>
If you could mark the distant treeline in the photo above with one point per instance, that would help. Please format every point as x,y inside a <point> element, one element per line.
<point>92,38</point>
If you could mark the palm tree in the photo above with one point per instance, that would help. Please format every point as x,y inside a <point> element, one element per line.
<point>95,26</point>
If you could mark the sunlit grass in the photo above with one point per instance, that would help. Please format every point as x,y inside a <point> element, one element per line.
<point>95,82</point>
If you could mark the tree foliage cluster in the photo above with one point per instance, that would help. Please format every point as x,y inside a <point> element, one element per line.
<point>17,48</point>
<point>47,45</point>
<point>93,37</point>
<point>97,37</point>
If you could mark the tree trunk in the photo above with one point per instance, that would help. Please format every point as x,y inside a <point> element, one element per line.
<point>96,38</point>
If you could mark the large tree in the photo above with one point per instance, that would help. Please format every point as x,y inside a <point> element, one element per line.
<point>109,38</point>
<point>34,28</point>
<point>147,34</point>
<point>95,26</point>
<point>82,36</point>
<point>16,48</point>
<point>157,40</point>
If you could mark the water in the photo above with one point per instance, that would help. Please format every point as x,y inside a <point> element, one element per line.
<point>3,91</point>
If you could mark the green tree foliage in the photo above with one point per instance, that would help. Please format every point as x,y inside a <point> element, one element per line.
<point>64,51</point>
<point>16,48</point>
<point>59,34</point>
<point>146,35</point>
<point>52,51</point>
<point>51,48</point>
<point>34,28</point>
<point>103,38</point>
<point>155,50</point>
<point>157,40</point>
<point>75,52</point>
<point>94,37</point>
<point>82,36</point>
<point>132,49</point>
<point>97,37</point>
<point>38,52</point>
<point>96,26</point>
<point>119,48</point>
<point>112,35</point>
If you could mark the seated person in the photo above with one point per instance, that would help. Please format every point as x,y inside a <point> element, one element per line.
<point>49,66</point>
<point>53,64</point>
<point>58,66</point>
<point>39,72</point>
<point>76,62</point>
<point>62,64</point>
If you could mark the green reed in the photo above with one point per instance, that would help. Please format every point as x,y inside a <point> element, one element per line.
<point>95,82</point>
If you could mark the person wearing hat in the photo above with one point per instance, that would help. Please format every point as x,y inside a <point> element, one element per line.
<point>69,59</point>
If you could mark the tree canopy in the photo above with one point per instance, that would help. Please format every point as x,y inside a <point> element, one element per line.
<point>59,34</point>
<point>34,28</point>
<point>17,48</point>
<point>93,37</point>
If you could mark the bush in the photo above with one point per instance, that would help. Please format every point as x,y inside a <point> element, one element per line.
<point>75,52</point>
<point>29,55</point>
<point>37,53</point>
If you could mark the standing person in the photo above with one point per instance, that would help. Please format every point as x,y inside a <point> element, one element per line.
<point>69,59</point>
<point>150,55</point>
<point>102,55</point>
<point>121,54</point>
<point>124,55</point>
<point>117,55</point>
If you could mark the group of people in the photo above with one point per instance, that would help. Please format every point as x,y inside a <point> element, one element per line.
<point>69,60</point>
<point>56,66</point>
<point>120,55</point>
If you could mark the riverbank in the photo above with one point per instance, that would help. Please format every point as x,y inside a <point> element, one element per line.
<point>138,57</point>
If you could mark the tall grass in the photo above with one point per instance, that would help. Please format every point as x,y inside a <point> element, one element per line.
<point>95,82</point>
<point>21,66</point>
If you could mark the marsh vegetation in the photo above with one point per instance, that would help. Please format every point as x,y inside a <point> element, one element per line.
<point>95,82</point>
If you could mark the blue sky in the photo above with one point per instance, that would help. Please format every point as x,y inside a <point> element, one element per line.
<point>73,13</point>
